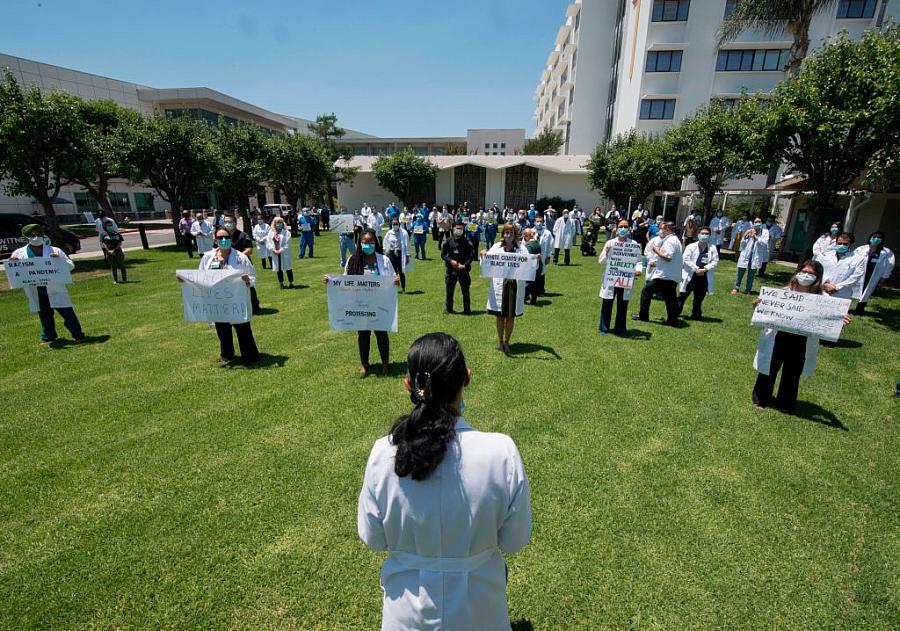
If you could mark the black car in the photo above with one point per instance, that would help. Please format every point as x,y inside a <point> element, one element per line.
<point>11,238</point>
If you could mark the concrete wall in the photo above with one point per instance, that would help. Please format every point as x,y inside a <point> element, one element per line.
<point>476,139</point>
<point>568,186</point>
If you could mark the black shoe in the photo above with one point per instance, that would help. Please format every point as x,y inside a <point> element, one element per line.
<point>467,312</point>
<point>449,310</point>
<point>225,360</point>
<point>640,319</point>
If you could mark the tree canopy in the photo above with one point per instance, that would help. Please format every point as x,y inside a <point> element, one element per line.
<point>243,151</point>
<point>404,174</point>
<point>546,143</point>
<point>299,165</point>
<point>632,165</point>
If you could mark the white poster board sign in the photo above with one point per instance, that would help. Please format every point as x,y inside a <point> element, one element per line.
<point>508,265</point>
<point>341,223</point>
<point>38,272</point>
<point>622,258</point>
<point>215,296</point>
<point>362,303</point>
<point>818,315</point>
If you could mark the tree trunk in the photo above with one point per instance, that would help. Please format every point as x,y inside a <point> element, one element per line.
<point>816,224</point>
<point>103,198</point>
<point>708,196</point>
<point>244,210</point>
<point>175,209</point>
<point>53,230</point>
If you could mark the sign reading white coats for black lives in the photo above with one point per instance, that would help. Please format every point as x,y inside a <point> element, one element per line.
<point>38,271</point>
<point>216,295</point>
<point>362,303</point>
<point>818,315</point>
<point>622,258</point>
<point>508,265</point>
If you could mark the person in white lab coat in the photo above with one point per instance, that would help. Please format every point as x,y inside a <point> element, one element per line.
<point>879,267</point>
<point>396,247</point>
<point>664,261</point>
<point>699,261</point>
<point>202,231</point>
<point>278,242</point>
<point>774,233</point>
<point>545,238</point>
<point>444,500</point>
<point>44,299</point>
<point>738,228</point>
<point>563,236</point>
<point>261,236</point>
<point>717,228</point>
<point>827,240</point>
<point>506,296</point>
<point>620,295</point>
<point>791,353</point>
<point>843,269</point>
<point>754,249</point>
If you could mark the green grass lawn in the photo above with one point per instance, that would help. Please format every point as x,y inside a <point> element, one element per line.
<point>144,486</point>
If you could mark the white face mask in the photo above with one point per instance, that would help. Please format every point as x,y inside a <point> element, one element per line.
<point>36,241</point>
<point>806,279</point>
<point>509,238</point>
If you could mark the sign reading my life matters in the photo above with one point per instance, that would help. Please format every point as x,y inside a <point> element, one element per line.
<point>362,303</point>
<point>215,296</point>
<point>508,265</point>
<point>818,315</point>
<point>38,271</point>
<point>622,258</point>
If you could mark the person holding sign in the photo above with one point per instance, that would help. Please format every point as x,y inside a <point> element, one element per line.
<point>396,245</point>
<point>791,353</point>
<point>506,296</point>
<point>369,261</point>
<point>278,242</point>
<point>700,259</point>
<point>420,234</point>
<point>622,256</point>
<point>754,250</point>
<point>664,262</point>
<point>563,236</point>
<point>444,501</point>
<point>43,299</point>
<point>458,254</point>
<point>879,267</point>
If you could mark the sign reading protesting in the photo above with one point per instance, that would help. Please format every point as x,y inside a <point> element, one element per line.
<point>214,296</point>
<point>39,271</point>
<point>341,223</point>
<point>817,315</point>
<point>508,265</point>
<point>622,258</point>
<point>362,303</point>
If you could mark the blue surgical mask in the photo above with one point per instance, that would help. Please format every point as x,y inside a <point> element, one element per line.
<point>875,241</point>
<point>841,249</point>
<point>229,224</point>
<point>260,222</point>
<point>623,232</point>
<point>704,238</point>
<point>368,248</point>
<point>834,230</point>
<point>757,226</point>
<point>224,243</point>
<point>538,226</point>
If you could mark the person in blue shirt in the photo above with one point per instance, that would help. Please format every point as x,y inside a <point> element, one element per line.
<point>490,227</point>
<point>307,229</point>
<point>473,231</point>
<point>392,212</point>
<point>532,213</point>
<point>420,234</point>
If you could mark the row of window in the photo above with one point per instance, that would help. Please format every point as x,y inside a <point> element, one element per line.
<point>677,10</point>
<point>487,145</point>
<point>143,202</point>
<point>727,61</point>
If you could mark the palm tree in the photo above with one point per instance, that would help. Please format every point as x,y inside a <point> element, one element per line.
<point>774,17</point>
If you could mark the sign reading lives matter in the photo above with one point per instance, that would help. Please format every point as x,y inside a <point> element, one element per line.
<point>39,271</point>
<point>817,315</point>
<point>508,265</point>
<point>362,303</point>
<point>621,261</point>
<point>214,296</point>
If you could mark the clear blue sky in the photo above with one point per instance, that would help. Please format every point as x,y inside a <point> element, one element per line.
<point>389,68</point>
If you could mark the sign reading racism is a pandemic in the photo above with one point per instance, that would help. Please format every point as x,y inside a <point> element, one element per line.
<point>621,261</point>
<point>509,265</point>
<point>215,296</point>
<point>362,303</point>
<point>38,271</point>
<point>817,315</point>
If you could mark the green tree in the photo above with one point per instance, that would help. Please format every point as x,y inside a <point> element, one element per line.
<point>326,129</point>
<point>546,143</point>
<point>838,121</point>
<point>40,140</point>
<point>299,165</point>
<point>243,151</point>
<point>404,174</point>
<point>632,165</point>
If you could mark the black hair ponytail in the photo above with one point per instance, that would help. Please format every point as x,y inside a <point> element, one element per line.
<point>436,371</point>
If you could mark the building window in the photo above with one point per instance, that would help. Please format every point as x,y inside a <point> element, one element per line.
<point>487,145</point>
<point>503,145</point>
<point>657,109</point>
<point>143,202</point>
<point>752,60</point>
<point>86,203</point>
<point>664,61</point>
<point>495,145</point>
<point>670,10</point>
<point>856,9</point>
<point>502,153</point>
<point>119,202</point>
<point>730,6</point>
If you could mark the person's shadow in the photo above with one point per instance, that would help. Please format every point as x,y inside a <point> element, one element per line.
<point>522,625</point>
<point>818,414</point>
<point>87,339</point>
<point>524,348</point>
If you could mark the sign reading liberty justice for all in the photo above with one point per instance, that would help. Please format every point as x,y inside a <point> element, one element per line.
<point>38,271</point>
<point>362,303</point>
<point>509,265</point>
<point>215,296</point>
<point>817,315</point>
<point>621,261</point>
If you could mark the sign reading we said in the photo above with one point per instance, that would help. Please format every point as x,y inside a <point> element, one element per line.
<point>818,315</point>
<point>362,303</point>
<point>215,296</point>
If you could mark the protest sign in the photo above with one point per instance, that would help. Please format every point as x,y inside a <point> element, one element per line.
<point>508,265</point>
<point>214,296</point>
<point>621,260</point>
<point>818,315</point>
<point>38,272</point>
<point>341,223</point>
<point>362,303</point>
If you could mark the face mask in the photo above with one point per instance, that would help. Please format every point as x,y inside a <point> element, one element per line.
<point>36,241</point>
<point>395,227</point>
<point>875,241</point>
<point>841,249</point>
<point>368,248</point>
<point>704,238</point>
<point>719,214</point>
<point>279,227</point>
<point>623,232</point>
<point>110,228</point>
<point>539,226</point>
<point>834,230</point>
<point>770,222</point>
<point>806,279</point>
<point>509,238</point>
<point>224,243</point>
<point>260,222</point>
<point>757,226</point>
<point>229,225</point>
<point>457,233</point>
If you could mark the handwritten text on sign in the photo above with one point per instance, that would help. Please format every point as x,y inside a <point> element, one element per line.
<point>621,262</point>
<point>362,303</point>
<point>341,223</point>
<point>817,315</point>
<point>214,296</point>
<point>509,265</point>
<point>40,271</point>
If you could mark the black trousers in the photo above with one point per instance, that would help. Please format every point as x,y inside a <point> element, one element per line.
<point>699,286</point>
<point>249,352</point>
<point>364,341</point>
<point>788,356</point>
<point>188,241</point>
<point>668,289</point>
<point>621,311</point>
<point>535,288</point>
<point>397,261</point>
<point>465,281</point>
<point>556,256</point>
<point>280,275</point>
<point>254,301</point>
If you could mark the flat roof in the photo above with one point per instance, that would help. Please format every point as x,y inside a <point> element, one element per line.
<point>556,164</point>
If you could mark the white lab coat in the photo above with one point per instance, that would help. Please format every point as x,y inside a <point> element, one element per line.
<point>399,241</point>
<point>823,244</point>
<point>754,250</point>
<point>445,533</point>
<point>762,361</point>
<point>261,236</point>
<point>545,238</point>
<point>375,222</point>
<point>495,290</point>
<point>717,228</point>
<point>56,293</point>
<point>203,233</point>
<point>236,260</point>
<point>775,233</point>
<point>883,270</point>
<point>284,261</point>
<point>689,266</point>
<point>610,292</point>
<point>563,233</point>
<point>667,270</point>
<point>844,273</point>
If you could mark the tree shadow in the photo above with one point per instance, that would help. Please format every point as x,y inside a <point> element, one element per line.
<point>86,340</point>
<point>264,311</point>
<point>522,625</point>
<point>524,348</point>
<point>818,414</point>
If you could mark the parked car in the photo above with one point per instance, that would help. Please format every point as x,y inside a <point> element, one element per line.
<point>277,210</point>
<point>11,238</point>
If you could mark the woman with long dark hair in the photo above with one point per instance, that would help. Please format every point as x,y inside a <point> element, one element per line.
<point>444,500</point>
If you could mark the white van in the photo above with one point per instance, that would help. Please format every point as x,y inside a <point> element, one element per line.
<point>277,210</point>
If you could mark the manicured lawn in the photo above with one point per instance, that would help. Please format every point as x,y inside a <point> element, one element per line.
<point>144,486</point>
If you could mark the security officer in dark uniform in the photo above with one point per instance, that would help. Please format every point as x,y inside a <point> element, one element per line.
<point>243,243</point>
<point>458,253</point>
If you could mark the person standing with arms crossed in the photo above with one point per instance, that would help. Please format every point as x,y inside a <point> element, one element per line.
<point>458,255</point>
<point>664,262</point>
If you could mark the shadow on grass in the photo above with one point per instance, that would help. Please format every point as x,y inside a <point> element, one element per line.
<point>265,361</point>
<point>842,343</point>
<point>522,625</point>
<point>637,334</point>
<point>86,340</point>
<point>264,311</point>
<point>524,348</point>
<point>99,265</point>
<point>708,320</point>
<point>548,294</point>
<point>414,293</point>
<point>287,288</point>
<point>395,369</point>
<point>818,414</point>
<point>888,317</point>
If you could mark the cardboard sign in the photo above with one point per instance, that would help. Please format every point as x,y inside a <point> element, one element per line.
<point>508,265</point>
<point>621,261</point>
<point>362,303</point>
<point>818,315</point>
<point>215,296</point>
<point>341,223</point>
<point>38,272</point>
